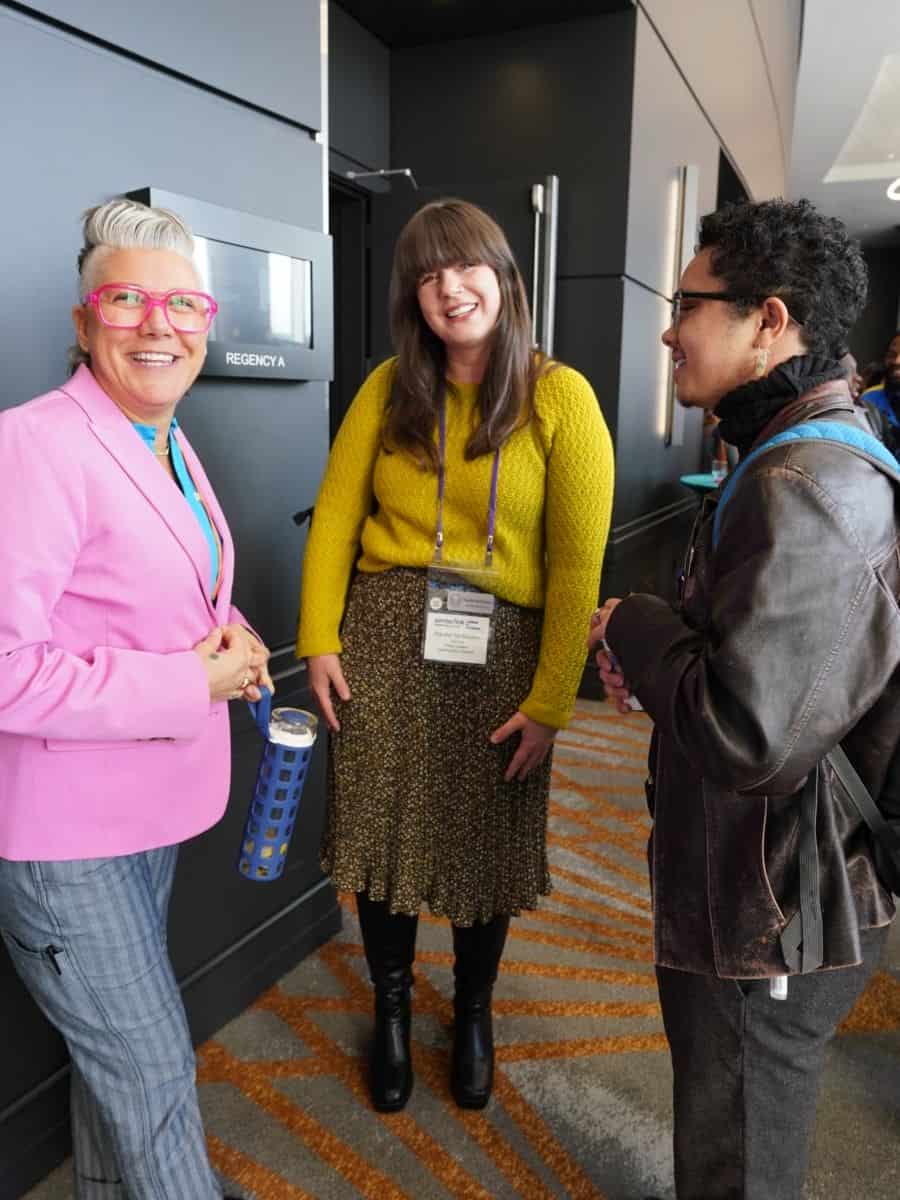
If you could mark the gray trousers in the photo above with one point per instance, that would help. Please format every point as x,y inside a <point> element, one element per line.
<point>747,1071</point>
<point>88,938</point>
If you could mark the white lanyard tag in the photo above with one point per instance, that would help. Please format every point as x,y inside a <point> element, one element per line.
<point>459,615</point>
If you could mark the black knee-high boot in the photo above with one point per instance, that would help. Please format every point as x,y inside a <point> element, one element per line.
<point>478,949</point>
<point>389,941</point>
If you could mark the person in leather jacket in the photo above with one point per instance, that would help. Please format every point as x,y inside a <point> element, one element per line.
<point>785,641</point>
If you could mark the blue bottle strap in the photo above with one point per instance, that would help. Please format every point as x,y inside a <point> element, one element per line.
<point>261,711</point>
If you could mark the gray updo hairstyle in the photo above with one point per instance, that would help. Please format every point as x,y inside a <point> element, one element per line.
<point>125,225</point>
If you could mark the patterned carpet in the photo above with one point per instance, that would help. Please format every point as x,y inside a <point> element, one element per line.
<point>582,1105</point>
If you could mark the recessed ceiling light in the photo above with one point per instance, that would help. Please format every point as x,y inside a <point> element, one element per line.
<point>893,192</point>
<point>870,150</point>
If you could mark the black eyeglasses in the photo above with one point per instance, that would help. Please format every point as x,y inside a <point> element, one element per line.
<point>679,297</point>
<point>733,297</point>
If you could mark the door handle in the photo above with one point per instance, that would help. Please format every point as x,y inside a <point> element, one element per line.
<point>537,209</point>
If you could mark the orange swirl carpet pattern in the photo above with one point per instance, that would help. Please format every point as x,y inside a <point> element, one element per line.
<point>582,1100</point>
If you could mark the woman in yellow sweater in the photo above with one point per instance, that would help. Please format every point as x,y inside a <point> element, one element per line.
<point>466,504</point>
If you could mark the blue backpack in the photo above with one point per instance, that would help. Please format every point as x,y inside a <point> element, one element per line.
<point>801,939</point>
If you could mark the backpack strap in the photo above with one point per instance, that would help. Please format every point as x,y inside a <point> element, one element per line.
<point>863,802</point>
<point>857,440</point>
<point>802,939</point>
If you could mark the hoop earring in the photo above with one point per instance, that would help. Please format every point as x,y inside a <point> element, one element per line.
<point>762,361</point>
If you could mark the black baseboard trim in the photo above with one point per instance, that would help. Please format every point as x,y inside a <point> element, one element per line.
<point>36,1139</point>
<point>221,989</point>
<point>34,1132</point>
<point>628,530</point>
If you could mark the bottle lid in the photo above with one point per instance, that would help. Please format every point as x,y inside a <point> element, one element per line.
<point>293,727</point>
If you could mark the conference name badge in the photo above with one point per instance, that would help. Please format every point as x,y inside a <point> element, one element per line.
<point>459,614</point>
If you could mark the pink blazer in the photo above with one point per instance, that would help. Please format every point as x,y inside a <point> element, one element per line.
<point>108,741</point>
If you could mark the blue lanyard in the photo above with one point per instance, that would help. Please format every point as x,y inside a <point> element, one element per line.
<point>198,508</point>
<point>190,492</point>
<point>442,481</point>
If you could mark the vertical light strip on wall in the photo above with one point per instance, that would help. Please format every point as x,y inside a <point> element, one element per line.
<point>680,248</point>
<point>537,213</point>
<point>687,219</point>
<point>548,266</point>
<point>670,277</point>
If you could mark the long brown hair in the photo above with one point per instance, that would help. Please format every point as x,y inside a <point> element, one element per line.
<point>445,232</point>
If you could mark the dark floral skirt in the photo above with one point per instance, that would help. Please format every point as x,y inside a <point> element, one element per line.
<point>418,807</point>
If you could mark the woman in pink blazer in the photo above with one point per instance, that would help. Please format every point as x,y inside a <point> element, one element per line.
<point>120,650</point>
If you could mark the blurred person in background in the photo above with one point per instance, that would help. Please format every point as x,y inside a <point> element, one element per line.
<point>881,400</point>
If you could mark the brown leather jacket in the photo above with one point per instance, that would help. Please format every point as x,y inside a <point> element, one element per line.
<point>786,641</point>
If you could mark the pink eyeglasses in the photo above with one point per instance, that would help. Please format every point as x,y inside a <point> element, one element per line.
<point>126,306</point>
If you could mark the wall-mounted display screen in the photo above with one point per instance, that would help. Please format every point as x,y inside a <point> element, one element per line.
<point>272,283</point>
<point>263,297</point>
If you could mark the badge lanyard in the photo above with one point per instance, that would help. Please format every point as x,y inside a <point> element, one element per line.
<point>459,616</point>
<point>442,482</point>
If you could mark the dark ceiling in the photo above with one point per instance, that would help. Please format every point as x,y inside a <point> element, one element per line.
<point>417,22</point>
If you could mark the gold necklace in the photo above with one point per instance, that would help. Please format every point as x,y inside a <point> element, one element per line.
<point>161,453</point>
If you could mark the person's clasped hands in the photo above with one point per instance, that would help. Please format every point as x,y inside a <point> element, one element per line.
<point>236,663</point>
<point>609,670</point>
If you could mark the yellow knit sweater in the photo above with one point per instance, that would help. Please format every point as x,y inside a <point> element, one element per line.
<point>378,510</point>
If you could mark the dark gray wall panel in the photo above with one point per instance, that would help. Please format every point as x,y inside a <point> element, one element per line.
<point>414,23</point>
<point>589,332</point>
<point>647,470</point>
<point>549,100</point>
<point>61,153</point>
<point>264,448</point>
<point>668,130</point>
<point>359,101</point>
<point>596,319</point>
<point>268,55</point>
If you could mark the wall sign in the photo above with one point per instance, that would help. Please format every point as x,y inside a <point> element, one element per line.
<point>273,284</point>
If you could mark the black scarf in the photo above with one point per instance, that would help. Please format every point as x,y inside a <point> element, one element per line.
<point>746,411</point>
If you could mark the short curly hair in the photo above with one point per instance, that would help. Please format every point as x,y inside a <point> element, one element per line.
<point>790,250</point>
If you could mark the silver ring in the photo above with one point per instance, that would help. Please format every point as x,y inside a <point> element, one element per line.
<point>245,681</point>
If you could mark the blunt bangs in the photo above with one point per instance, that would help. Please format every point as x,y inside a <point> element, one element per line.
<point>446,232</point>
<point>442,233</point>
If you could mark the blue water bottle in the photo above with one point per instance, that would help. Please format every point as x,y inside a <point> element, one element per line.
<point>290,735</point>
